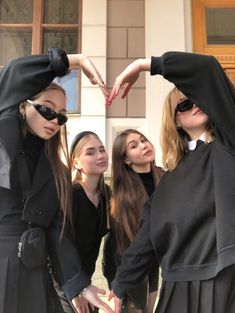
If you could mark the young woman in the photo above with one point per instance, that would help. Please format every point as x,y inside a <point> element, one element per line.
<point>189,224</point>
<point>91,198</point>
<point>35,185</point>
<point>134,178</point>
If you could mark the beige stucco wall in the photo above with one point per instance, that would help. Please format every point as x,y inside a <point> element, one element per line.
<point>167,27</point>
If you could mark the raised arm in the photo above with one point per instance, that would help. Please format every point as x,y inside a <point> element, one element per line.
<point>25,77</point>
<point>199,77</point>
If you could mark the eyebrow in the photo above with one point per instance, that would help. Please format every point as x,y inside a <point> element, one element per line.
<point>93,148</point>
<point>52,103</point>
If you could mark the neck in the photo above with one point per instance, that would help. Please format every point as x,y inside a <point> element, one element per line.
<point>90,183</point>
<point>141,168</point>
<point>194,135</point>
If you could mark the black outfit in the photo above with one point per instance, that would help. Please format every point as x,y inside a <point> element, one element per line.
<point>30,290</point>
<point>90,225</point>
<point>138,294</point>
<point>189,222</point>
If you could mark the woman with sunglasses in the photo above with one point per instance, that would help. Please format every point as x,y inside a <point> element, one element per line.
<point>35,185</point>
<point>90,213</point>
<point>189,223</point>
<point>133,164</point>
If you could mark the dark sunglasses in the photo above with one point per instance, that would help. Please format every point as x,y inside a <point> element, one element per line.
<point>184,106</point>
<point>48,113</point>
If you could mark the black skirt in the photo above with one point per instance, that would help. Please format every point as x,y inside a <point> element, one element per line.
<point>216,295</point>
<point>23,290</point>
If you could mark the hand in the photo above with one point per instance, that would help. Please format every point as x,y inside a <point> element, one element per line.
<point>82,305</point>
<point>117,301</point>
<point>91,294</point>
<point>89,69</point>
<point>128,77</point>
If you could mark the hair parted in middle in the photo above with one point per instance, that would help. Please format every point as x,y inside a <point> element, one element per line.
<point>128,191</point>
<point>75,151</point>
<point>56,149</point>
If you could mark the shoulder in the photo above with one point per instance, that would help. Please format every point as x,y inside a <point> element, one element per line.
<point>159,171</point>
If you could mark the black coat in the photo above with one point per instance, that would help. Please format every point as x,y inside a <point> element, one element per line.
<point>189,224</point>
<point>24,291</point>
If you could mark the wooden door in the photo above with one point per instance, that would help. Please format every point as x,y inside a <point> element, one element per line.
<point>214,31</point>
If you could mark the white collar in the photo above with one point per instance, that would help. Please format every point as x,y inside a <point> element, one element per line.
<point>193,143</point>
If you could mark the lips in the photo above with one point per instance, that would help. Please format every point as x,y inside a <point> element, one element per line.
<point>147,153</point>
<point>197,111</point>
<point>102,164</point>
<point>49,130</point>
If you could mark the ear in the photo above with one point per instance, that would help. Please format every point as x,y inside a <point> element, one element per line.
<point>22,109</point>
<point>177,123</point>
<point>77,164</point>
<point>127,162</point>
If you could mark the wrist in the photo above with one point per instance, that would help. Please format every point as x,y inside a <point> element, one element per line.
<point>83,292</point>
<point>144,64</point>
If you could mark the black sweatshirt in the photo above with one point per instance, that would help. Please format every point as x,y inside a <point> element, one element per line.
<point>189,222</point>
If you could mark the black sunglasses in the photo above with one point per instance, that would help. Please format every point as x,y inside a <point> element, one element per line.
<point>48,113</point>
<point>184,106</point>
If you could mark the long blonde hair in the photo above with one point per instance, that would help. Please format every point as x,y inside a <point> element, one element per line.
<point>174,140</point>
<point>75,151</point>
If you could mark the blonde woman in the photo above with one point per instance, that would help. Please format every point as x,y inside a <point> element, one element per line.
<point>90,213</point>
<point>189,224</point>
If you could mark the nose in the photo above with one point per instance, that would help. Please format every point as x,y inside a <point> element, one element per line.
<point>55,121</point>
<point>144,145</point>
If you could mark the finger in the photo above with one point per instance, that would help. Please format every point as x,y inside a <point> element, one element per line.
<point>126,90</point>
<point>101,291</point>
<point>92,306</point>
<point>104,90</point>
<point>111,295</point>
<point>118,305</point>
<point>105,307</point>
<point>113,95</point>
<point>86,307</point>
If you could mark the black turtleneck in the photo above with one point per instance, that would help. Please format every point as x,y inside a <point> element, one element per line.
<point>148,181</point>
<point>32,146</point>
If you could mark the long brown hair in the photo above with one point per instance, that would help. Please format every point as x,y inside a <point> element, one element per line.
<point>56,149</point>
<point>174,141</point>
<point>128,193</point>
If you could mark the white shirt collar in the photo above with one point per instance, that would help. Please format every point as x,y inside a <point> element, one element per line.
<point>193,143</point>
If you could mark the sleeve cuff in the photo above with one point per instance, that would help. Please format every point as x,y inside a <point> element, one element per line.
<point>117,290</point>
<point>59,61</point>
<point>75,285</point>
<point>156,66</point>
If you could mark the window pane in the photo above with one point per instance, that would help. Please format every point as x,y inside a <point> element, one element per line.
<point>61,12</point>
<point>16,11</point>
<point>220,26</point>
<point>15,43</point>
<point>61,38</point>
<point>70,84</point>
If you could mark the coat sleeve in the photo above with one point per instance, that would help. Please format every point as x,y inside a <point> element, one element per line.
<point>25,77</point>
<point>66,262</point>
<point>137,259</point>
<point>202,79</point>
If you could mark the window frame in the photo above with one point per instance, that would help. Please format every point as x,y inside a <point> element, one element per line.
<point>37,27</point>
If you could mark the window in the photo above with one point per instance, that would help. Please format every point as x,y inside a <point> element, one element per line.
<point>32,26</point>
<point>214,31</point>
